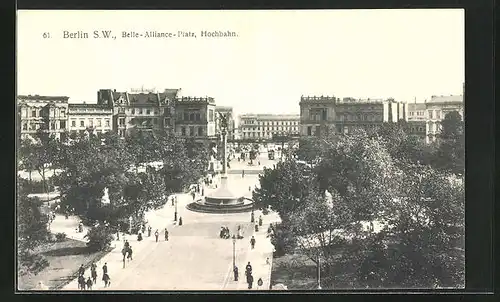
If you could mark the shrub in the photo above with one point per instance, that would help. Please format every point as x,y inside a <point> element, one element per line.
<point>61,237</point>
<point>99,238</point>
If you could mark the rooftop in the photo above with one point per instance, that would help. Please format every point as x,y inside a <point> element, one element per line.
<point>270,116</point>
<point>446,99</point>
<point>45,98</point>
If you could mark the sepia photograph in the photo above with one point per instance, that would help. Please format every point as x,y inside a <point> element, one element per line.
<point>240,150</point>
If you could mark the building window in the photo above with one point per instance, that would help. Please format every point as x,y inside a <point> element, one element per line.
<point>156,112</point>
<point>210,115</point>
<point>155,121</point>
<point>198,117</point>
<point>62,124</point>
<point>191,117</point>
<point>186,116</point>
<point>25,126</point>
<point>140,111</point>
<point>309,130</point>
<point>91,122</point>
<point>133,110</point>
<point>437,114</point>
<point>166,122</point>
<point>200,131</point>
<point>107,122</point>
<point>430,114</point>
<point>99,123</point>
<point>63,112</point>
<point>73,123</point>
<point>183,131</point>
<point>82,124</point>
<point>33,113</point>
<point>148,111</point>
<point>122,121</point>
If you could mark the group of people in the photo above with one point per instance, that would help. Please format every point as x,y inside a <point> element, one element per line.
<point>225,234</point>
<point>86,284</point>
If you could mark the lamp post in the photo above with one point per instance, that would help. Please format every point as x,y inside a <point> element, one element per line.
<point>130,225</point>
<point>319,272</point>
<point>234,251</point>
<point>175,213</point>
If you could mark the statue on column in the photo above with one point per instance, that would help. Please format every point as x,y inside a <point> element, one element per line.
<point>223,121</point>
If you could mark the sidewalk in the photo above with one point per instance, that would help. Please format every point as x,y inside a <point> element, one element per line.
<point>158,219</point>
<point>257,257</point>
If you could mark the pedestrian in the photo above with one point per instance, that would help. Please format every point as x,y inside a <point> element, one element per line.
<point>235,271</point>
<point>81,270</point>
<point>260,220</point>
<point>249,188</point>
<point>81,282</point>
<point>107,280</point>
<point>149,231</point>
<point>105,268</point>
<point>156,235</point>
<point>258,162</point>
<point>242,173</point>
<point>166,234</point>
<point>180,220</point>
<point>248,269</point>
<point>250,281</point>
<point>202,191</point>
<point>89,284</point>
<point>252,217</point>
<point>172,198</point>
<point>139,236</point>
<point>252,242</point>
<point>193,195</point>
<point>371,226</point>
<point>129,253</point>
<point>94,276</point>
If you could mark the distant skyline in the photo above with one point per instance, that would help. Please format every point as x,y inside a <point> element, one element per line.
<point>276,57</point>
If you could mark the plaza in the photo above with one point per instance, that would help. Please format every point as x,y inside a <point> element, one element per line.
<point>194,257</point>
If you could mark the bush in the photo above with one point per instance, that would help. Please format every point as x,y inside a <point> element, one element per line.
<point>99,238</point>
<point>60,237</point>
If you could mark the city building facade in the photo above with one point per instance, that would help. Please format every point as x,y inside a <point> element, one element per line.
<point>268,126</point>
<point>46,113</point>
<point>437,108</point>
<point>328,113</point>
<point>91,118</point>
<point>195,117</point>
<point>417,119</point>
<point>142,110</point>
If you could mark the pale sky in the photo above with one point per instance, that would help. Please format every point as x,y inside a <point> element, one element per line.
<point>277,57</point>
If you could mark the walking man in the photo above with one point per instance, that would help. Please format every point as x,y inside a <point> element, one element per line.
<point>105,268</point>
<point>243,174</point>
<point>81,270</point>
<point>156,235</point>
<point>166,234</point>
<point>248,269</point>
<point>235,271</point>
<point>107,280</point>
<point>252,242</point>
<point>129,253</point>
<point>94,276</point>
<point>149,231</point>
<point>89,284</point>
<point>250,281</point>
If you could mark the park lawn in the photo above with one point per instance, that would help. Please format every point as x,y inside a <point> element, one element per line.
<point>298,272</point>
<point>64,259</point>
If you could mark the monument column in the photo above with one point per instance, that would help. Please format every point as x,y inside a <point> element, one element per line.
<point>223,177</point>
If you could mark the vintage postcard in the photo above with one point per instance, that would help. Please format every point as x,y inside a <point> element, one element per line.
<point>244,150</point>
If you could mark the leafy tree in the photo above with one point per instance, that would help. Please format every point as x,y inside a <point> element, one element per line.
<point>451,144</point>
<point>99,238</point>
<point>284,188</point>
<point>31,232</point>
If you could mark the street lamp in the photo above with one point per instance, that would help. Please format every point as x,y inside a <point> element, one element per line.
<point>319,272</point>
<point>234,251</point>
<point>130,225</point>
<point>175,213</point>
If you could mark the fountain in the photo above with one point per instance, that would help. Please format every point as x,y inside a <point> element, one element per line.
<point>222,200</point>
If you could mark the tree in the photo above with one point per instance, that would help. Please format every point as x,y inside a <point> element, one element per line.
<point>423,242</point>
<point>31,232</point>
<point>99,238</point>
<point>284,188</point>
<point>450,154</point>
